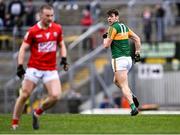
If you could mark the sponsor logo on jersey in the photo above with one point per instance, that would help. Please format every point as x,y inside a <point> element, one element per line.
<point>49,46</point>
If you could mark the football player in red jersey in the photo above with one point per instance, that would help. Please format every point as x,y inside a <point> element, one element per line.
<point>42,40</point>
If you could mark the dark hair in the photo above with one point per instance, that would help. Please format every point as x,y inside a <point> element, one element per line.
<point>112,11</point>
<point>45,6</point>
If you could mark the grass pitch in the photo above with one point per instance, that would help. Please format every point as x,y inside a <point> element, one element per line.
<point>94,124</point>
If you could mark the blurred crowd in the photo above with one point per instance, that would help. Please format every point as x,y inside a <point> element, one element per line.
<point>12,14</point>
<point>161,18</point>
<point>16,14</point>
<point>19,13</point>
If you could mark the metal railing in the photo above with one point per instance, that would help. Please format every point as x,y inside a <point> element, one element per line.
<point>92,38</point>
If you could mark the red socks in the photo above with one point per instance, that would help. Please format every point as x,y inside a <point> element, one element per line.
<point>39,111</point>
<point>15,124</point>
<point>15,121</point>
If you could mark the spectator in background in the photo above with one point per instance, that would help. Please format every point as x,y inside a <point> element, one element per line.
<point>16,10</point>
<point>2,12</point>
<point>159,14</point>
<point>2,18</point>
<point>105,103</point>
<point>117,99</point>
<point>178,13</point>
<point>87,18</point>
<point>8,25</point>
<point>147,25</point>
<point>169,19</point>
<point>30,13</point>
<point>95,10</point>
<point>86,22</point>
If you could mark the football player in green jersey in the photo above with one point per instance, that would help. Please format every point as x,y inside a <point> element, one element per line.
<point>116,38</point>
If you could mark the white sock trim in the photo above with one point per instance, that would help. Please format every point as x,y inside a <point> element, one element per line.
<point>36,114</point>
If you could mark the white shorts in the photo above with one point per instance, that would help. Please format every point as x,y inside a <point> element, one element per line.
<point>35,75</point>
<point>121,63</point>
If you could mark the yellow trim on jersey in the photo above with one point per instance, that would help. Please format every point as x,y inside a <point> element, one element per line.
<point>112,34</point>
<point>130,33</point>
<point>121,36</point>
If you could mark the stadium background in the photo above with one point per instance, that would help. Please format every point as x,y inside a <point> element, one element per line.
<point>155,80</point>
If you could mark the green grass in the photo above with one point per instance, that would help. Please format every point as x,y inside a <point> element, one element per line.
<point>93,124</point>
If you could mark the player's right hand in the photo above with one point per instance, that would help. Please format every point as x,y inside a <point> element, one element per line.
<point>137,57</point>
<point>20,71</point>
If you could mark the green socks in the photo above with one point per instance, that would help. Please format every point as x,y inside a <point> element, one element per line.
<point>133,106</point>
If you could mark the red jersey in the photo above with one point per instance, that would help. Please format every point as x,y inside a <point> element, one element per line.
<point>43,45</point>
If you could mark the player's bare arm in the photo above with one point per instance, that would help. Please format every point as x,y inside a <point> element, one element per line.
<point>63,53</point>
<point>20,69</point>
<point>63,50</point>
<point>107,42</point>
<point>136,40</point>
<point>22,52</point>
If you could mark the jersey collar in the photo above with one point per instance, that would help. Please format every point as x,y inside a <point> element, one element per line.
<point>115,22</point>
<point>40,26</point>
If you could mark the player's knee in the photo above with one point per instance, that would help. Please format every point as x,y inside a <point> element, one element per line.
<point>55,97</point>
<point>116,83</point>
<point>24,95</point>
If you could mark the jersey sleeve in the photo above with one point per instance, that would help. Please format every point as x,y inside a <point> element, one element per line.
<point>130,32</point>
<point>112,32</point>
<point>28,37</point>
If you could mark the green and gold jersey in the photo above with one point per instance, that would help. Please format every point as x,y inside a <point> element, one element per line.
<point>119,33</point>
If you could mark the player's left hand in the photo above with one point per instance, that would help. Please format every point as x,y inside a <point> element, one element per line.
<point>64,63</point>
<point>137,57</point>
<point>105,35</point>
